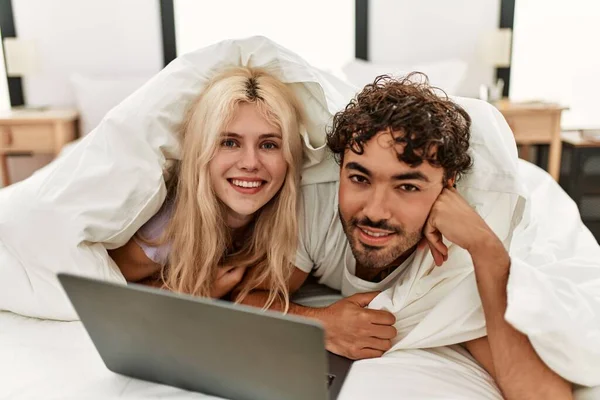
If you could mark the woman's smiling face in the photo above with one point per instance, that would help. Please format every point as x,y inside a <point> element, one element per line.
<point>249,167</point>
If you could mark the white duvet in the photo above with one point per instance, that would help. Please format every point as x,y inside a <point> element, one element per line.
<point>56,360</point>
<point>98,195</point>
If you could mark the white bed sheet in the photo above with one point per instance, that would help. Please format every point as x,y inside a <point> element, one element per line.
<point>57,360</point>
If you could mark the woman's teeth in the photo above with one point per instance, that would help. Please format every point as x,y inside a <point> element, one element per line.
<point>246,184</point>
<point>375,234</point>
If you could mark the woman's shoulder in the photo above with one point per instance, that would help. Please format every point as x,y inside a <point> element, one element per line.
<point>153,229</point>
<point>152,232</point>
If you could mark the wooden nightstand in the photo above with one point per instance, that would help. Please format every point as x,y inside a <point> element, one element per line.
<point>535,123</point>
<point>34,132</point>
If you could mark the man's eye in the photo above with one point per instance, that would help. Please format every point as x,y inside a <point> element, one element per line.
<point>269,146</point>
<point>229,143</point>
<point>358,179</point>
<point>409,188</point>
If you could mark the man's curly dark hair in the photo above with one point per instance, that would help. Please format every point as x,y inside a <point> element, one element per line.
<point>432,127</point>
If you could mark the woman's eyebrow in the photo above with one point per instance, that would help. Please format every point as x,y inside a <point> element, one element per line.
<point>270,135</point>
<point>263,136</point>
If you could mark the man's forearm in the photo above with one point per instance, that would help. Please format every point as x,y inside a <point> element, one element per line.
<point>519,371</point>
<point>259,298</point>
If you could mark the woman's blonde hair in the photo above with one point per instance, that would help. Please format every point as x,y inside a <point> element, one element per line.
<point>197,232</point>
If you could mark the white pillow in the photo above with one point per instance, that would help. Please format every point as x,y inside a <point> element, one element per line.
<point>96,95</point>
<point>446,74</point>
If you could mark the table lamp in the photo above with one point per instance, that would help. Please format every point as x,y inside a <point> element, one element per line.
<point>21,60</point>
<point>495,51</point>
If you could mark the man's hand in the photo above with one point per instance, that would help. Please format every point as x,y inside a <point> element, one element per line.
<point>453,218</point>
<point>227,278</point>
<point>354,331</point>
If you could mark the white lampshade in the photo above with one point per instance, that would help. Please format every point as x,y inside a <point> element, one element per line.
<point>495,47</point>
<point>21,57</point>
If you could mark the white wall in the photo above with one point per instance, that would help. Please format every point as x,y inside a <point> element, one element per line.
<point>556,57</point>
<point>325,38</point>
<point>415,32</point>
<point>104,37</point>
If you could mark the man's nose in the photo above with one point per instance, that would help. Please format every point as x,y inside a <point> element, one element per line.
<point>249,159</point>
<point>376,206</point>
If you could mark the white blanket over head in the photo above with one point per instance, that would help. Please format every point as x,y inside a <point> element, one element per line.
<point>100,193</point>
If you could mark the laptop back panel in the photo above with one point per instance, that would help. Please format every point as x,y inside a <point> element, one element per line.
<point>199,344</point>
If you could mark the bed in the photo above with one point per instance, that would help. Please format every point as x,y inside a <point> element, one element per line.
<point>57,360</point>
<point>136,142</point>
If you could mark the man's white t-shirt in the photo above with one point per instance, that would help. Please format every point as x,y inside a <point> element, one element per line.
<point>434,306</point>
<point>324,249</point>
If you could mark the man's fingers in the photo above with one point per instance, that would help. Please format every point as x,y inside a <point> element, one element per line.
<point>363,299</point>
<point>435,240</point>
<point>369,353</point>
<point>439,251</point>
<point>381,317</point>
<point>383,331</point>
<point>377,344</point>
<point>437,256</point>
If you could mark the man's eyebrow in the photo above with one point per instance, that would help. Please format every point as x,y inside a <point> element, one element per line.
<point>356,166</point>
<point>263,136</point>
<point>408,176</point>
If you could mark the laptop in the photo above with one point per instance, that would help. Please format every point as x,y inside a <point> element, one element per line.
<point>205,345</point>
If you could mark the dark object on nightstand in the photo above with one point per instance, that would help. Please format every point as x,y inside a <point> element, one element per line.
<point>578,184</point>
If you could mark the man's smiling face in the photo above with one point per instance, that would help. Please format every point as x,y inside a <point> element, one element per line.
<point>384,202</point>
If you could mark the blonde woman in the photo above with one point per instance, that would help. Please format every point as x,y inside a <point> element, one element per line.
<point>232,201</point>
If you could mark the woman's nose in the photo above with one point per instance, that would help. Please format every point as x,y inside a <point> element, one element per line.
<point>249,160</point>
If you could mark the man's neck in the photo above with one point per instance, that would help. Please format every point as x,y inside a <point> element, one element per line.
<point>378,274</point>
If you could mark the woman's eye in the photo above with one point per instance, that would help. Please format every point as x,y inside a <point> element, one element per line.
<point>358,179</point>
<point>409,188</point>
<point>228,143</point>
<point>270,146</point>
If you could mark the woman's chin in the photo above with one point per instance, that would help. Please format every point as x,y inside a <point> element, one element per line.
<point>240,216</point>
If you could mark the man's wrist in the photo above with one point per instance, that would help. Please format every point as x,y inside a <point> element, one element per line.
<point>490,256</point>
<point>485,245</point>
<point>308,312</point>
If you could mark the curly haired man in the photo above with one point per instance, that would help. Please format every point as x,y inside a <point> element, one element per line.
<point>402,146</point>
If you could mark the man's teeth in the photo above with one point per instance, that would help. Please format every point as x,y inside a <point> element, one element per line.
<point>246,184</point>
<point>375,234</point>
